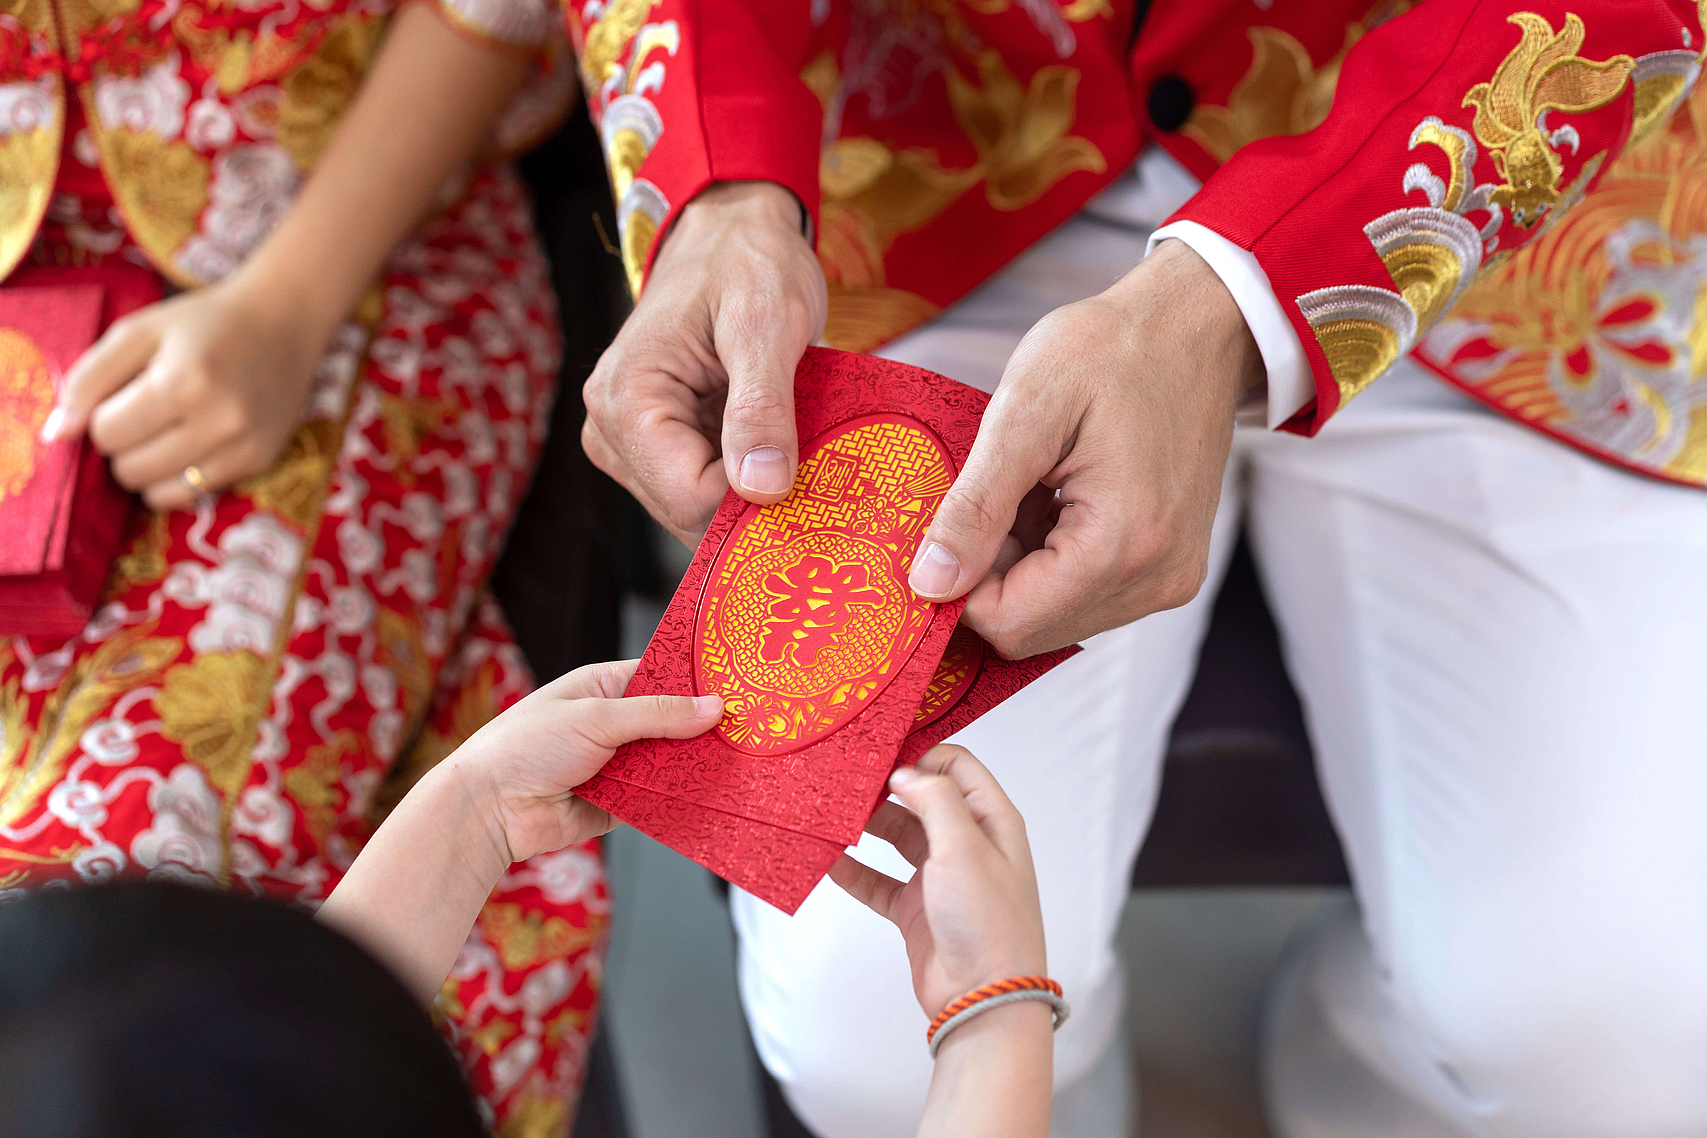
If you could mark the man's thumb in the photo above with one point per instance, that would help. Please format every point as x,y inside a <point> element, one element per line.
<point>975,517</point>
<point>760,449</point>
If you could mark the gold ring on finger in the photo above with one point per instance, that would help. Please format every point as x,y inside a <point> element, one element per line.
<point>194,480</point>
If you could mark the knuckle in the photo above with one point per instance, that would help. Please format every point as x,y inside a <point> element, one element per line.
<point>1179,586</point>
<point>601,388</point>
<point>681,517</point>
<point>1140,555</point>
<point>101,434</point>
<point>189,385</point>
<point>126,326</point>
<point>759,402</point>
<point>227,417</point>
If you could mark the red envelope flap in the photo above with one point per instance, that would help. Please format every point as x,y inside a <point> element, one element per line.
<point>42,332</point>
<point>799,613</point>
<point>970,680</point>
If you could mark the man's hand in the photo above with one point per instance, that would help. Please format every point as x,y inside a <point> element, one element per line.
<point>696,394</point>
<point>1089,495</point>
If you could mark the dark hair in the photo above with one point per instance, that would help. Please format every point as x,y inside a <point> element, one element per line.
<point>160,1010</point>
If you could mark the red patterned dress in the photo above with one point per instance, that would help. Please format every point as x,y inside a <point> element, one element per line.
<point>268,673</point>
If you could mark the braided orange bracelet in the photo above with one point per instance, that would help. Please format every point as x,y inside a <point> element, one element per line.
<point>992,996</point>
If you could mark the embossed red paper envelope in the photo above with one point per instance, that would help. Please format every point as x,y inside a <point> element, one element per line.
<point>970,680</point>
<point>773,864</point>
<point>62,516</point>
<point>799,613</point>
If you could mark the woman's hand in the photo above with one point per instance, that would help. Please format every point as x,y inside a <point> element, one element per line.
<point>521,766</point>
<point>970,915</point>
<point>214,379</point>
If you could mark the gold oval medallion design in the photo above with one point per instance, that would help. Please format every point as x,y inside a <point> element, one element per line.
<point>26,397</point>
<point>805,616</point>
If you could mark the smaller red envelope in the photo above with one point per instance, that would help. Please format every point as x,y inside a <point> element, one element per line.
<point>773,864</point>
<point>971,679</point>
<point>62,517</point>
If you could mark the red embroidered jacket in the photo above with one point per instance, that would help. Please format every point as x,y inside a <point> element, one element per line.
<point>1503,190</point>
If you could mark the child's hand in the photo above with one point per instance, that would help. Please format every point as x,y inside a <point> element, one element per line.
<point>970,915</point>
<point>215,379</point>
<point>520,766</point>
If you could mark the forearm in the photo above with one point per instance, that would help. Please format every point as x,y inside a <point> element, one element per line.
<point>419,884</point>
<point>424,113</point>
<point>993,1076</point>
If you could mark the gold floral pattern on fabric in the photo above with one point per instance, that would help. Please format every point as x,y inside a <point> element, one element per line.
<point>82,16</point>
<point>872,193</point>
<point>318,91</point>
<point>1434,251</point>
<point>294,485</point>
<point>524,937</point>
<point>30,137</point>
<point>212,707</point>
<point>369,619</point>
<point>475,705</point>
<point>161,185</point>
<point>1543,73</point>
<point>1282,92</point>
<point>26,397</point>
<point>608,38</point>
<point>536,1118</point>
<point>144,563</point>
<point>317,784</point>
<point>1597,330</point>
<point>629,122</point>
<point>131,658</point>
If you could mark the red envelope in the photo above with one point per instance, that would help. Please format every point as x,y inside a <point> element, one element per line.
<point>773,864</point>
<point>62,517</point>
<point>971,679</point>
<point>799,613</point>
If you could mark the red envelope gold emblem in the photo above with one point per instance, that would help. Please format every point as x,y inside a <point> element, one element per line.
<point>26,397</point>
<point>806,615</point>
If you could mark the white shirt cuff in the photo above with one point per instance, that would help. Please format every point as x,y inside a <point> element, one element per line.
<point>1290,385</point>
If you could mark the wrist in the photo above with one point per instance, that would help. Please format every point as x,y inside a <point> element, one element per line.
<point>465,808</point>
<point>999,1028</point>
<point>1177,287</point>
<point>275,290</point>
<point>763,204</point>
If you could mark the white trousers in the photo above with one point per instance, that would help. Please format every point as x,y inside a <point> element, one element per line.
<point>1499,644</point>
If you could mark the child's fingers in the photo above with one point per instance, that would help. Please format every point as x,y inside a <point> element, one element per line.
<point>941,807</point>
<point>595,681</point>
<point>609,723</point>
<point>989,803</point>
<point>901,828</point>
<point>875,890</point>
<point>114,361</point>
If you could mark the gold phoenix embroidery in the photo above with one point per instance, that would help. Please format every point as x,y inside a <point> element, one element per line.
<point>1434,252</point>
<point>1543,73</point>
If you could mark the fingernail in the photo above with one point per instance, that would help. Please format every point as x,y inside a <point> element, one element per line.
<point>50,429</point>
<point>902,777</point>
<point>765,471</point>
<point>934,572</point>
<point>708,704</point>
